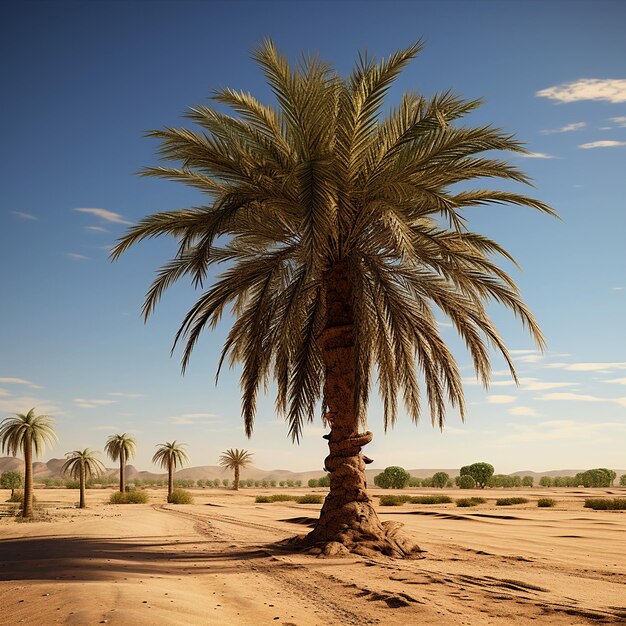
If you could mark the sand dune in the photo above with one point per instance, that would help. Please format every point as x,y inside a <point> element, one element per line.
<point>217,562</point>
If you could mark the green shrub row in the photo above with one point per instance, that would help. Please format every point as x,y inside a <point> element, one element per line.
<point>135,496</point>
<point>606,504</point>
<point>310,498</point>
<point>510,501</point>
<point>464,502</point>
<point>545,502</point>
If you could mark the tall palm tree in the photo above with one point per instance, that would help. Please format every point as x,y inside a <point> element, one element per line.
<point>83,465</point>
<point>235,460</point>
<point>342,233</point>
<point>27,433</point>
<point>170,456</point>
<point>122,447</point>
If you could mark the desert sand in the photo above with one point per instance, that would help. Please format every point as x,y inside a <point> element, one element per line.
<point>217,562</point>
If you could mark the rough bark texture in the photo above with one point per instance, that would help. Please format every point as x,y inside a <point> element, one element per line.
<point>170,481</point>
<point>27,507</point>
<point>348,521</point>
<point>81,503</point>
<point>122,472</point>
<point>236,483</point>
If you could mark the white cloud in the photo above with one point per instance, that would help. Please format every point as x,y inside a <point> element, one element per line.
<point>96,229</point>
<point>588,367</point>
<point>103,214</point>
<point>18,381</point>
<point>537,155</point>
<point>529,358</point>
<point>605,128</point>
<point>25,216</point>
<point>616,381</point>
<point>4,393</point>
<point>577,397</point>
<point>23,404</point>
<point>523,410</point>
<point>500,399</point>
<point>523,351</point>
<point>122,394</point>
<point>602,144</point>
<point>444,324</point>
<point>607,89</point>
<point>617,288</point>
<point>565,129</point>
<point>76,257</point>
<point>194,418</point>
<point>92,404</point>
<point>559,430</point>
<point>620,121</point>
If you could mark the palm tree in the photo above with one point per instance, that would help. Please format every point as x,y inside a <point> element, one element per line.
<point>235,460</point>
<point>170,456</point>
<point>342,233</point>
<point>27,433</point>
<point>83,465</point>
<point>122,447</point>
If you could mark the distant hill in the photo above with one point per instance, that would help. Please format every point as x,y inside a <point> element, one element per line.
<point>52,469</point>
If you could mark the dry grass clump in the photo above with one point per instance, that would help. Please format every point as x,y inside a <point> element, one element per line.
<point>18,496</point>
<point>310,498</point>
<point>470,501</point>
<point>136,496</point>
<point>510,501</point>
<point>180,496</point>
<point>606,504</point>
<point>430,500</point>
<point>283,497</point>
<point>393,500</point>
<point>546,502</point>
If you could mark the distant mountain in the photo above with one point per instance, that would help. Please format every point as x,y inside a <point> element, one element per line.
<point>52,469</point>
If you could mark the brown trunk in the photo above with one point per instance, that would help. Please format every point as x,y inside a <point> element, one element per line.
<point>27,506</point>
<point>170,480</point>
<point>81,503</point>
<point>348,521</point>
<point>236,483</point>
<point>122,472</point>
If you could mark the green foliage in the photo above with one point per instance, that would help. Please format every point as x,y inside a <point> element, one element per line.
<point>250,483</point>
<point>393,500</point>
<point>313,482</point>
<point>545,481</point>
<point>440,479</point>
<point>464,502</point>
<point>11,480</point>
<point>18,496</point>
<point>72,484</point>
<point>180,496</point>
<point>504,480</point>
<point>310,498</point>
<point>277,497</point>
<point>598,477</point>
<point>272,483</point>
<point>324,481</point>
<point>429,499</point>
<point>393,477</point>
<point>622,480</point>
<point>606,504</point>
<point>480,472</point>
<point>134,496</point>
<point>546,502</point>
<point>415,482</point>
<point>290,483</point>
<point>528,481</point>
<point>184,483</point>
<point>510,501</point>
<point>466,482</point>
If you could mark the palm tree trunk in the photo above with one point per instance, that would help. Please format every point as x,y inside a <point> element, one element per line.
<point>348,516</point>
<point>236,483</point>
<point>27,505</point>
<point>170,481</point>
<point>122,472</point>
<point>81,503</point>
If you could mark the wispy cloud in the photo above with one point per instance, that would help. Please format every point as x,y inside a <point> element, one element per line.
<point>122,394</point>
<point>76,257</point>
<point>96,229</point>
<point>609,143</point>
<point>588,367</point>
<point>537,155</point>
<point>620,121</point>
<point>107,427</point>
<point>194,418</point>
<point>104,214</point>
<point>18,381</point>
<point>525,411</point>
<point>25,216</point>
<point>565,129</point>
<point>559,430</point>
<point>578,397</point>
<point>500,399</point>
<point>616,381</point>
<point>22,404</point>
<point>4,393</point>
<point>607,89</point>
<point>617,288</point>
<point>92,404</point>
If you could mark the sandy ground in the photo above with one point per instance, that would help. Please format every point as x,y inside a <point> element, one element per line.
<point>215,562</point>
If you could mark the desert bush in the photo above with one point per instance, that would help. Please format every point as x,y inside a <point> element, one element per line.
<point>310,498</point>
<point>72,484</point>
<point>622,480</point>
<point>430,499</point>
<point>277,497</point>
<point>546,481</point>
<point>510,501</point>
<point>18,496</point>
<point>470,501</point>
<point>480,472</point>
<point>440,479</point>
<point>606,504</point>
<point>180,496</point>
<point>272,483</point>
<point>466,482</point>
<point>134,496</point>
<point>415,482</point>
<point>313,482</point>
<point>324,481</point>
<point>528,481</point>
<point>545,502</point>
<point>392,477</point>
<point>262,499</point>
<point>393,500</point>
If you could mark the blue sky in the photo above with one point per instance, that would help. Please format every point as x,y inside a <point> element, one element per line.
<point>82,82</point>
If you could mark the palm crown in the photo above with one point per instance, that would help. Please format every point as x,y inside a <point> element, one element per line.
<point>233,459</point>
<point>85,461</point>
<point>324,184</point>
<point>116,445</point>
<point>170,455</point>
<point>21,430</point>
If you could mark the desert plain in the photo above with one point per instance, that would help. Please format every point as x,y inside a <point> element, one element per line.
<point>219,561</point>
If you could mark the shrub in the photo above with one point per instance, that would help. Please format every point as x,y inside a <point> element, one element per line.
<point>272,483</point>
<point>393,477</point>
<point>545,481</point>
<point>480,472</point>
<point>72,484</point>
<point>528,481</point>
<point>393,500</point>
<point>415,482</point>
<point>180,496</point>
<point>466,482</point>
<point>470,501</point>
<point>313,482</point>
<point>622,480</point>
<point>510,501</point>
<point>262,499</point>
<point>310,498</point>
<point>546,502</point>
<point>11,480</point>
<point>440,479</point>
<point>324,481</point>
<point>134,496</point>
<point>598,477</point>
<point>429,499</point>
<point>18,496</point>
<point>277,497</point>
<point>606,504</point>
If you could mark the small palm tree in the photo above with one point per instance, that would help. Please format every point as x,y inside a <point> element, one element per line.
<point>27,433</point>
<point>170,456</point>
<point>82,465</point>
<point>235,460</point>
<point>122,447</point>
